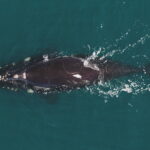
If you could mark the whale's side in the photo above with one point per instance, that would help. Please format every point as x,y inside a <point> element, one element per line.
<point>46,74</point>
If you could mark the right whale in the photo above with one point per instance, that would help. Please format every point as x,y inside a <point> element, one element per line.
<point>48,74</point>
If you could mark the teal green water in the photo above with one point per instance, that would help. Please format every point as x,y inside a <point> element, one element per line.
<point>78,120</point>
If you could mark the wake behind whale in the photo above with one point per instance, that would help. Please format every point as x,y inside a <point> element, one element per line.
<point>47,74</point>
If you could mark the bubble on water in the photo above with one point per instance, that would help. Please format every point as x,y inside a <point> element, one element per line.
<point>123,2</point>
<point>129,104</point>
<point>137,84</point>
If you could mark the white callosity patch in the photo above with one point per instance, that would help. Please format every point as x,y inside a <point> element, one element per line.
<point>20,76</point>
<point>45,57</point>
<point>24,75</point>
<point>77,76</point>
<point>2,78</point>
<point>16,76</point>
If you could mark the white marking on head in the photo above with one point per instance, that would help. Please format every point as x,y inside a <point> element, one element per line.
<point>1,77</point>
<point>24,75</point>
<point>27,59</point>
<point>77,76</point>
<point>16,76</point>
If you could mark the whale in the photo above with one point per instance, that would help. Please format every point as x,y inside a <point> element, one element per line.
<point>46,74</point>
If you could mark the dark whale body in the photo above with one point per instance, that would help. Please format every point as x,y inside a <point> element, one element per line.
<point>46,74</point>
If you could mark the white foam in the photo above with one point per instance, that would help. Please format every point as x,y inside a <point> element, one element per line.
<point>27,59</point>
<point>30,91</point>
<point>45,58</point>
<point>87,64</point>
<point>13,63</point>
<point>127,88</point>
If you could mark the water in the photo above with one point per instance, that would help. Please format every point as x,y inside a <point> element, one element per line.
<point>112,116</point>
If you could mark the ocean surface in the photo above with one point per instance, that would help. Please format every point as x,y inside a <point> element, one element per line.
<point>107,116</point>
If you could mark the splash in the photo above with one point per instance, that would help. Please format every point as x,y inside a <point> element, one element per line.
<point>116,87</point>
<point>137,84</point>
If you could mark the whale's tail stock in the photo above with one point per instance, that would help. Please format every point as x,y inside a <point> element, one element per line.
<point>114,69</point>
